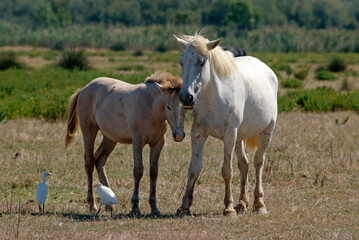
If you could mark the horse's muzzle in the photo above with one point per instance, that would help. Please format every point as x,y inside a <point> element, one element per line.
<point>186,100</point>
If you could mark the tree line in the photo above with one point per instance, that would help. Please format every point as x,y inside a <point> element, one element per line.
<point>240,14</point>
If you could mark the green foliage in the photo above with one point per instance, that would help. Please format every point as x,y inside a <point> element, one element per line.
<point>8,60</point>
<point>320,99</point>
<point>74,59</point>
<point>242,14</point>
<point>302,74</point>
<point>291,83</point>
<point>337,64</point>
<point>325,75</point>
<point>130,67</point>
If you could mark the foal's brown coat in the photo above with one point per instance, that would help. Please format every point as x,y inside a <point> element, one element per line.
<point>126,113</point>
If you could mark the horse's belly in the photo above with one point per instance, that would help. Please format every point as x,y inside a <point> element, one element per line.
<point>114,128</point>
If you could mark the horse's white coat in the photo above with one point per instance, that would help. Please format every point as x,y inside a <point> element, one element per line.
<point>234,104</point>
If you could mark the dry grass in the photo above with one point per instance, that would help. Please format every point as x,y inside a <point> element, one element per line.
<point>311,184</point>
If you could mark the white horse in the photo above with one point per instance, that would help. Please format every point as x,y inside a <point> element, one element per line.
<point>233,99</point>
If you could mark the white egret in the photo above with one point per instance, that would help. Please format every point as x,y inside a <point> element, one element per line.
<point>41,193</point>
<point>107,197</point>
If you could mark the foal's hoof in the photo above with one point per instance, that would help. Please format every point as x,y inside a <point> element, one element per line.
<point>229,212</point>
<point>183,212</point>
<point>261,211</point>
<point>93,209</point>
<point>155,213</point>
<point>240,209</point>
<point>135,213</point>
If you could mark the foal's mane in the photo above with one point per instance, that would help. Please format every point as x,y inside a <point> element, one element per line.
<point>222,61</point>
<point>167,80</point>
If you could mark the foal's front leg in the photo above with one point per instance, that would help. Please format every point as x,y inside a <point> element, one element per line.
<point>198,138</point>
<point>137,174</point>
<point>154,156</point>
<point>227,171</point>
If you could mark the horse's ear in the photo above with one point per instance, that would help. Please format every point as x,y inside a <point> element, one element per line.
<point>181,43</point>
<point>213,44</point>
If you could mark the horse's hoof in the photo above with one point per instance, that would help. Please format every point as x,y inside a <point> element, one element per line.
<point>261,211</point>
<point>155,213</point>
<point>229,212</point>
<point>240,209</point>
<point>93,209</point>
<point>135,213</point>
<point>183,212</point>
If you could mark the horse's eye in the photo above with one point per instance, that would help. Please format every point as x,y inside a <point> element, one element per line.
<point>168,107</point>
<point>201,64</point>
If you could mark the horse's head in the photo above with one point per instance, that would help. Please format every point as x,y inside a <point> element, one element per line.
<point>195,67</point>
<point>170,87</point>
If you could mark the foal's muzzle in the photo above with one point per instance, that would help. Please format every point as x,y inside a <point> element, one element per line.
<point>186,100</point>
<point>178,135</point>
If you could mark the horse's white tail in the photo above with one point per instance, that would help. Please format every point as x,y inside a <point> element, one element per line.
<point>251,143</point>
<point>72,118</point>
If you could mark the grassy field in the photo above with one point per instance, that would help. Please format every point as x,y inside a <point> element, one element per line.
<point>311,180</point>
<point>311,185</point>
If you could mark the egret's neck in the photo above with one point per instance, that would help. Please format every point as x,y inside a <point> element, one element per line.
<point>44,178</point>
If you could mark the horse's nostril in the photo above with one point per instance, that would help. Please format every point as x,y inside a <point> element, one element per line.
<point>190,97</point>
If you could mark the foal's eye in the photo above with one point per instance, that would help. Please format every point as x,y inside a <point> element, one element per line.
<point>168,107</point>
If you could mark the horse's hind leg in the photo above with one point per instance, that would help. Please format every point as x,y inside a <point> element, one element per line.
<point>264,141</point>
<point>154,156</point>
<point>101,155</point>
<point>242,160</point>
<point>89,135</point>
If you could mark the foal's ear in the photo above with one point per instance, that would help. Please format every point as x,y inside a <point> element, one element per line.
<point>181,43</point>
<point>164,90</point>
<point>213,44</point>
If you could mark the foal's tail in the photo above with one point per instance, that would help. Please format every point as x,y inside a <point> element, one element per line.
<point>72,118</point>
<point>251,143</point>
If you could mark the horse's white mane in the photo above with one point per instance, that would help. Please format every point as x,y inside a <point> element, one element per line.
<point>222,61</point>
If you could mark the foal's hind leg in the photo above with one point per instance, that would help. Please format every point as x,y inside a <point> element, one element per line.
<point>264,141</point>
<point>243,168</point>
<point>154,156</point>
<point>104,150</point>
<point>89,135</point>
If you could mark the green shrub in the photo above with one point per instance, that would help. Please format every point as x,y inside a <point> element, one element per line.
<point>325,75</point>
<point>302,74</point>
<point>131,67</point>
<point>8,60</point>
<point>337,65</point>
<point>117,46</point>
<point>292,83</point>
<point>74,59</point>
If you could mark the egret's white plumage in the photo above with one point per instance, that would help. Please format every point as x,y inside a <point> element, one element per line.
<point>41,193</point>
<point>106,195</point>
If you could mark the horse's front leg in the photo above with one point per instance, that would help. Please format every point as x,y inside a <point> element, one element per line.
<point>227,171</point>
<point>137,174</point>
<point>198,138</point>
<point>154,156</point>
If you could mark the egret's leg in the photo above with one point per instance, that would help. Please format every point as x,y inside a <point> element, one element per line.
<point>43,208</point>
<point>264,141</point>
<point>227,171</point>
<point>40,210</point>
<point>243,164</point>
<point>198,138</point>
<point>137,173</point>
<point>99,209</point>
<point>154,156</point>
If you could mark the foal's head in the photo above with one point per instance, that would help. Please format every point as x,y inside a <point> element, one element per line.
<point>199,57</point>
<point>170,86</point>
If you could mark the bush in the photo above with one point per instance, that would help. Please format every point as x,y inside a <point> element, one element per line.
<point>291,83</point>
<point>302,74</point>
<point>337,65</point>
<point>73,59</point>
<point>325,75</point>
<point>8,60</point>
<point>117,46</point>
